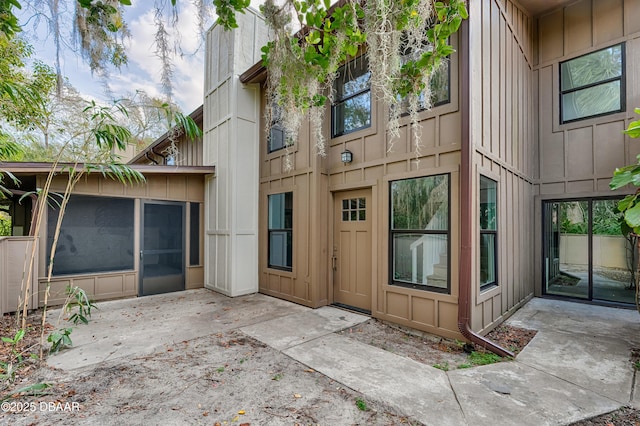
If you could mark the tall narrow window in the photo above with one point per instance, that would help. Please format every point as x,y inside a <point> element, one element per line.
<point>420,233</point>
<point>488,233</point>
<point>280,231</point>
<point>194,234</point>
<point>277,139</point>
<point>592,84</point>
<point>352,108</point>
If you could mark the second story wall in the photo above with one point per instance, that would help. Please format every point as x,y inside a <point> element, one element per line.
<point>578,156</point>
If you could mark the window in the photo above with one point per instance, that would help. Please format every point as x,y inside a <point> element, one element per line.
<point>592,84</point>
<point>354,210</point>
<point>96,235</point>
<point>277,140</point>
<point>352,108</point>
<point>280,231</point>
<point>488,233</point>
<point>194,234</point>
<point>420,233</point>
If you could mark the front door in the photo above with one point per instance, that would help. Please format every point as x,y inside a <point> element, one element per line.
<point>352,249</point>
<point>162,248</point>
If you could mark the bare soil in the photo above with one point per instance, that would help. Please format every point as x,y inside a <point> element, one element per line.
<point>230,378</point>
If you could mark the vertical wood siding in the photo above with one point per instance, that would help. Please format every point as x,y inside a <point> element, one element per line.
<point>579,158</point>
<point>502,137</point>
<point>376,161</point>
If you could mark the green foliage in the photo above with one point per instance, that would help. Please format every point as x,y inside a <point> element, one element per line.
<point>443,366</point>
<point>60,339</point>
<point>226,11</point>
<point>9,25</point>
<point>361,404</point>
<point>35,389</point>
<point>5,223</point>
<point>629,175</point>
<point>79,306</point>
<point>10,366</point>
<point>483,358</point>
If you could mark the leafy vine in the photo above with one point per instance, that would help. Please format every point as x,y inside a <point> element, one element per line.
<point>405,43</point>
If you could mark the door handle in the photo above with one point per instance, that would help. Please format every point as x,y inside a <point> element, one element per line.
<point>334,262</point>
<point>140,254</point>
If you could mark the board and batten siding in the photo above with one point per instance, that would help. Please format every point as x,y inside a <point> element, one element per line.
<point>230,135</point>
<point>577,159</point>
<point>376,162</point>
<point>501,116</point>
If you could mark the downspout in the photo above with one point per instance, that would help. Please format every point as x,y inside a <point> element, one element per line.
<point>164,157</point>
<point>466,204</point>
<point>146,154</point>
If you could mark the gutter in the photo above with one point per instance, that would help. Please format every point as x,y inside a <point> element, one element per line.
<point>466,205</point>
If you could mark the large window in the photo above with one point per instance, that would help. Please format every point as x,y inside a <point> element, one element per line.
<point>488,233</point>
<point>280,231</point>
<point>351,110</point>
<point>592,84</point>
<point>420,233</point>
<point>96,235</point>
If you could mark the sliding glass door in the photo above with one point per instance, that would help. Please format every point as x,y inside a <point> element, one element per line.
<point>585,256</point>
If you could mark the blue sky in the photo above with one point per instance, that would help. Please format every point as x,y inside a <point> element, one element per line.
<point>143,69</point>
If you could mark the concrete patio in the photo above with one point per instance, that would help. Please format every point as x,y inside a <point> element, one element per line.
<point>576,367</point>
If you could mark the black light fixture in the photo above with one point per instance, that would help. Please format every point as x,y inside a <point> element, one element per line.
<point>346,156</point>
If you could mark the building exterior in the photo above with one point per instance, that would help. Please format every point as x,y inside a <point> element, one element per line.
<point>116,240</point>
<point>511,177</point>
<point>506,199</point>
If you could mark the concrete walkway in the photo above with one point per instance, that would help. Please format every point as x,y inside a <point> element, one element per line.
<point>576,367</point>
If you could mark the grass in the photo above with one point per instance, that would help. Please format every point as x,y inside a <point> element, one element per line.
<point>361,404</point>
<point>443,367</point>
<point>483,358</point>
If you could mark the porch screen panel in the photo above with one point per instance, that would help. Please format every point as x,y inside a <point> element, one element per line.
<point>97,235</point>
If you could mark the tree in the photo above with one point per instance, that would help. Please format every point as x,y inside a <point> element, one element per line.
<point>630,205</point>
<point>406,42</point>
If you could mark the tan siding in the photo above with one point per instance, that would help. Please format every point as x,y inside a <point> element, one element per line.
<point>504,152</point>
<point>578,158</point>
<point>577,27</point>
<point>377,160</point>
<point>608,17</point>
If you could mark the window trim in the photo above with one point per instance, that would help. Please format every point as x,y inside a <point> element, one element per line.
<point>422,287</point>
<point>494,232</point>
<point>269,231</point>
<point>342,100</point>
<point>621,78</point>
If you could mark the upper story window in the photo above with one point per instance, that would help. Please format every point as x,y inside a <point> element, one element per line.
<point>351,109</point>
<point>277,140</point>
<point>439,86</point>
<point>592,85</point>
<point>420,233</point>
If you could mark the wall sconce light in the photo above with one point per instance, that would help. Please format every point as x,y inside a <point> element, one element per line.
<point>346,156</point>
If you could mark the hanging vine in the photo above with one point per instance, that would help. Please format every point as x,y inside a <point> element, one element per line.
<point>405,43</point>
